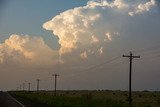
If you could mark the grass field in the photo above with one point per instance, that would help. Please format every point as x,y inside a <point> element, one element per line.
<point>91,98</point>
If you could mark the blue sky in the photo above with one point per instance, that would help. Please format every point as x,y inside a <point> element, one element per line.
<point>28,16</point>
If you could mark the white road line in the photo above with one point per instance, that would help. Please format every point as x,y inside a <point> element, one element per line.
<point>16,100</point>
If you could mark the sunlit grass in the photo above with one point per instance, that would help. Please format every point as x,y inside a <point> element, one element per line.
<point>92,98</point>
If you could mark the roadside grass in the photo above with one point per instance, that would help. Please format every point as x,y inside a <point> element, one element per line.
<point>91,98</point>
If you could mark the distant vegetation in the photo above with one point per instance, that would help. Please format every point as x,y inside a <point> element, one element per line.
<point>91,98</point>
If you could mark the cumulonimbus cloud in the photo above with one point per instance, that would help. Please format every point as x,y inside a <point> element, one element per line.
<point>27,50</point>
<point>84,31</point>
<point>94,25</point>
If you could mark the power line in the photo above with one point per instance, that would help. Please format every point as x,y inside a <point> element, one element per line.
<point>144,50</point>
<point>147,49</point>
<point>95,66</point>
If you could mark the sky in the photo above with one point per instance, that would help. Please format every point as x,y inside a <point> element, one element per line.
<point>81,40</point>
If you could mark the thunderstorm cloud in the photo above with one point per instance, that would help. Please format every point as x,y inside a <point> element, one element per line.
<point>88,30</point>
<point>87,35</point>
<point>83,32</point>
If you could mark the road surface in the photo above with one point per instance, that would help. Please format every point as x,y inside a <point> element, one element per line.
<point>6,100</point>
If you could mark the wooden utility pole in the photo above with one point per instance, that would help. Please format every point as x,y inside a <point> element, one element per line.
<point>29,86</point>
<point>38,85</point>
<point>20,86</point>
<point>23,86</point>
<point>55,84</point>
<point>131,57</point>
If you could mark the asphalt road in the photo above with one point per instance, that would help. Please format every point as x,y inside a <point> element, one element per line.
<point>7,100</point>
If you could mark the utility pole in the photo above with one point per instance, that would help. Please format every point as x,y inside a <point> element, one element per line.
<point>55,84</point>
<point>23,86</point>
<point>20,86</point>
<point>29,86</point>
<point>131,57</point>
<point>38,85</point>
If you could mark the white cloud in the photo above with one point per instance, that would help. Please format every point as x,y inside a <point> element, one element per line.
<point>23,50</point>
<point>71,28</point>
<point>80,28</point>
<point>140,8</point>
<point>104,3</point>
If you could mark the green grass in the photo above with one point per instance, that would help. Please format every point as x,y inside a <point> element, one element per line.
<point>91,98</point>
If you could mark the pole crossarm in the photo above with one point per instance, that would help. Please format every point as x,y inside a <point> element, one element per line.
<point>55,75</point>
<point>131,56</point>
